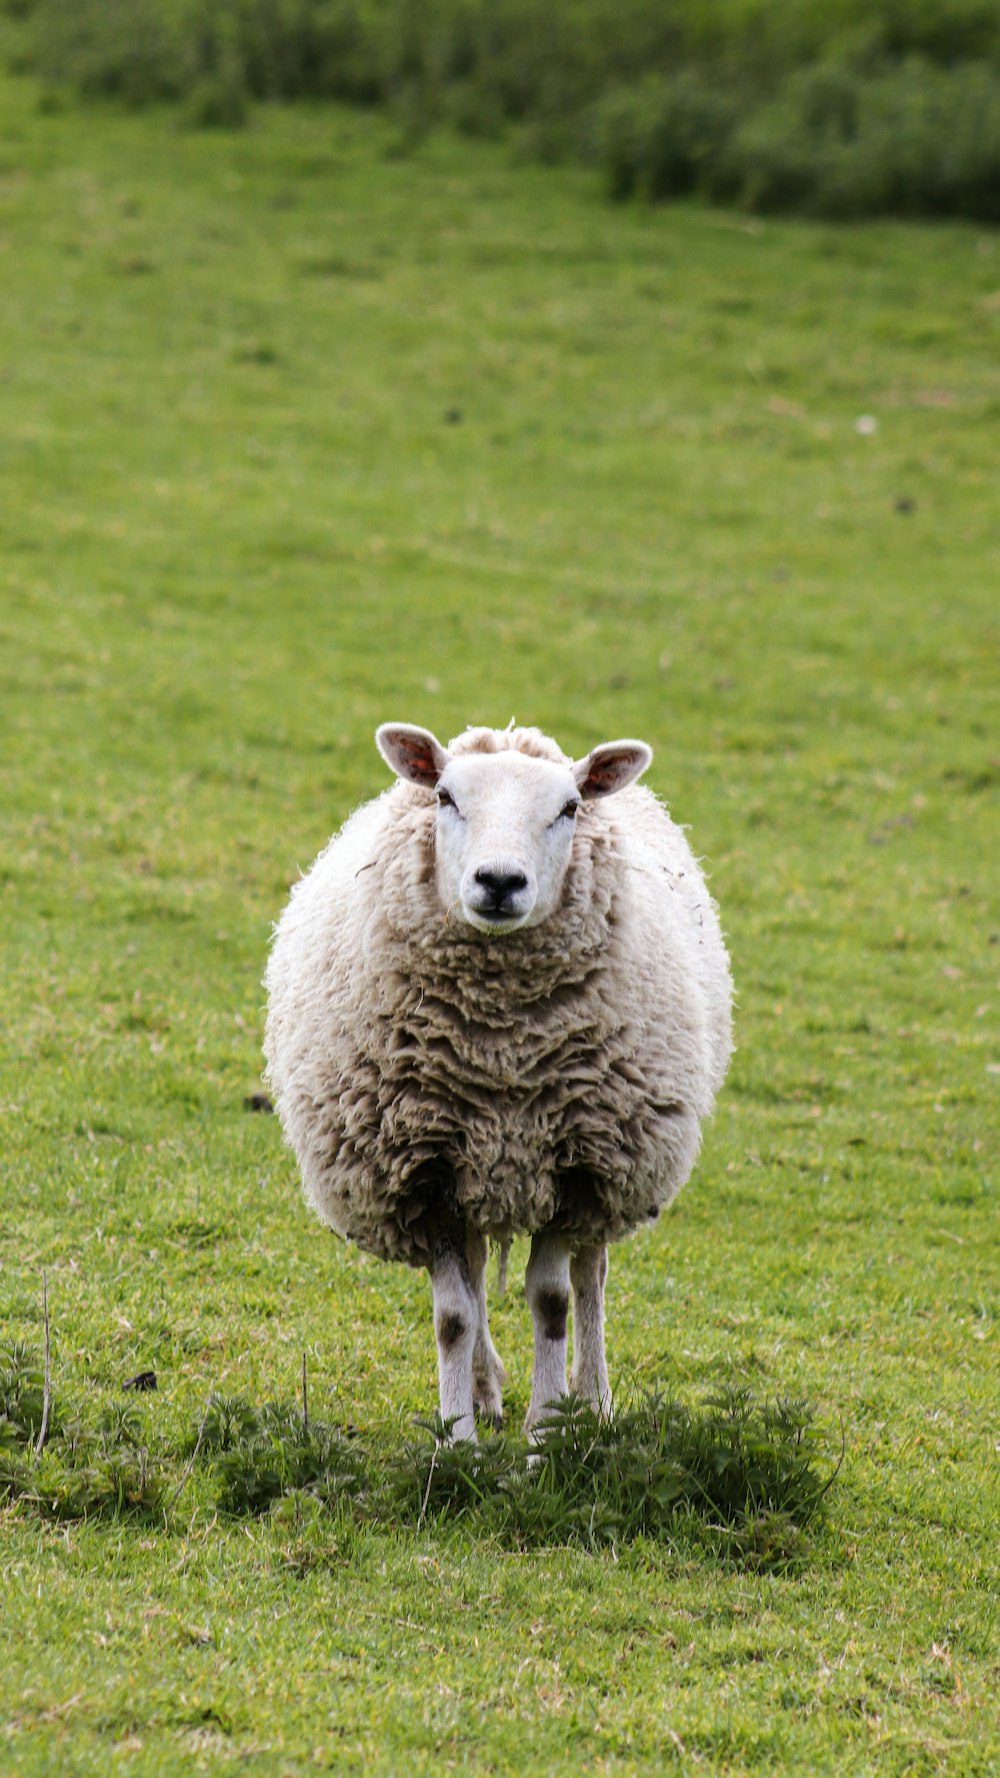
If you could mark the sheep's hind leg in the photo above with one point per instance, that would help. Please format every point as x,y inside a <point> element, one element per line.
<point>588,1270</point>
<point>487,1369</point>
<point>456,1320</point>
<point>546,1284</point>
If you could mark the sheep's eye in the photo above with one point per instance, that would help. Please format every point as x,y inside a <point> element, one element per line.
<point>570,809</point>
<point>445,800</point>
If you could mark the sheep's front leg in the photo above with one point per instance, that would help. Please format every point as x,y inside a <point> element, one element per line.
<point>456,1319</point>
<point>546,1284</point>
<point>487,1370</point>
<point>587,1272</point>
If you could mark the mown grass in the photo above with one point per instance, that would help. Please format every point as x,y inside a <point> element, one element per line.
<point>310,427</point>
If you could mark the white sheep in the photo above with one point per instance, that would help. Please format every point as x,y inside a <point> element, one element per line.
<point>499,1003</point>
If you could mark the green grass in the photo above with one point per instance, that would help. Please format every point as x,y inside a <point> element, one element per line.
<point>302,431</point>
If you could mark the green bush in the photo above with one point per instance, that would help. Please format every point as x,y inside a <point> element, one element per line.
<point>917,141</point>
<point>216,57</point>
<point>666,137</point>
<point>837,141</point>
<point>116,49</point>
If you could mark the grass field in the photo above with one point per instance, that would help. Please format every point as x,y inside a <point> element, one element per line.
<point>307,428</point>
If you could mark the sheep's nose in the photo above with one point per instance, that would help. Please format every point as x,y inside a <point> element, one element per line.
<point>501,885</point>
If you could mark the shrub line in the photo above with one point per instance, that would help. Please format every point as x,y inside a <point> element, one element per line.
<point>881,113</point>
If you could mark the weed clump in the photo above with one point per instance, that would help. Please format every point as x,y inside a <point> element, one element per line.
<point>261,1455</point>
<point>742,1477</point>
<point>89,1469</point>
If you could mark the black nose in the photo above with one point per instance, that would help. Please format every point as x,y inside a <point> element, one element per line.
<point>501,885</point>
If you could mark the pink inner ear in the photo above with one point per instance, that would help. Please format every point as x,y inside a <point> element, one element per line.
<point>418,757</point>
<point>613,768</point>
<point>605,773</point>
<point>413,753</point>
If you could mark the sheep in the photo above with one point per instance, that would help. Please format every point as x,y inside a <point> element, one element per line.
<point>499,1003</point>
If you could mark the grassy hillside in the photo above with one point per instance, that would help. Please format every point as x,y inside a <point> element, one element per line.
<point>306,428</point>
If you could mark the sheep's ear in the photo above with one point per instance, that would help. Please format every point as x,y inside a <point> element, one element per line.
<point>610,767</point>
<point>413,753</point>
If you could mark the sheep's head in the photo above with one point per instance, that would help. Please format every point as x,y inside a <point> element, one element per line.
<point>505,819</point>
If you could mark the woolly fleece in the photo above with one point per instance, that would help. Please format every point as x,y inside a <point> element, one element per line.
<point>555,1076</point>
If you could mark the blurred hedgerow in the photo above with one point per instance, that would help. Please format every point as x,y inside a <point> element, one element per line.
<point>772,105</point>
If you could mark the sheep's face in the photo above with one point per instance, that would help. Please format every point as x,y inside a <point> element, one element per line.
<point>505,827</point>
<point>505,820</point>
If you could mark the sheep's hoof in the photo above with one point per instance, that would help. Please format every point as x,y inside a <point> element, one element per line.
<point>487,1381</point>
<point>488,1403</point>
<point>532,1431</point>
<point>601,1405</point>
<point>533,1426</point>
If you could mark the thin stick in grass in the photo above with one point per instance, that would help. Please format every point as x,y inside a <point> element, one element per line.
<point>427,1490</point>
<point>192,1460</point>
<point>43,1431</point>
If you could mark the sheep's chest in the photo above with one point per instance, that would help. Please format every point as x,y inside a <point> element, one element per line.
<point>503,1118</point>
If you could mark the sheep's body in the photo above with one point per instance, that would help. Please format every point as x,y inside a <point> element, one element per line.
<point>547,1080</point>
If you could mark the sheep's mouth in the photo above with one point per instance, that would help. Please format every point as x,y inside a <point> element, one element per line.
<point>495,919</point>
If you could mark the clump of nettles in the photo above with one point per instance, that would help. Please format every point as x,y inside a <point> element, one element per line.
<point>100,1468</point>
<point>261,1455</point>
<point>740,1476</point>
<point>737,1476</point>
